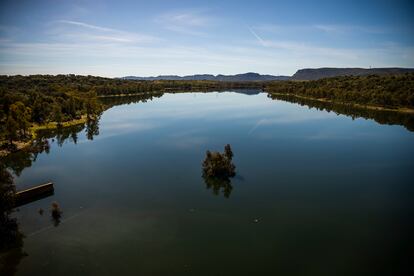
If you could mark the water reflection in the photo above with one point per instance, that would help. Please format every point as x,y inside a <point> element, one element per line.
<point>56,214</point>
<point>118,182</point>
<point>109,102</point>
<point>11,239</point>
<point>61,135</point>
<point>92,128</point>
<point>20,160</point>
<point>381,117</point>
<point>218,185</point>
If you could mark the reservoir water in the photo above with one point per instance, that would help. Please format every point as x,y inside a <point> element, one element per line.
<point>315,192</point>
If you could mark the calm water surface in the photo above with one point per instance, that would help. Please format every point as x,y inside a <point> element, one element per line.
<point>316,193</point>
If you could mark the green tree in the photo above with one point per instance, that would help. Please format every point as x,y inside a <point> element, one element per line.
<point>91,105</point>
<point>219,164</point>
<point>11,130</point>
<point>57,115</point>
<point>21,115</point>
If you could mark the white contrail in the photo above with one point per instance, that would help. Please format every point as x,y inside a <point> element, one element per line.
<point>257,37</point>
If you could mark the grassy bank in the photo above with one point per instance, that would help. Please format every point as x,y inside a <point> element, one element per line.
<point>54,125</point>
<point>34,128</point>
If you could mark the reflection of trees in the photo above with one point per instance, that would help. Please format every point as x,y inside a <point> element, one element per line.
<point>22,159</point>
<point>92,128</point>
<point>217,184</point>
<point>109,102</point>
<point>11,239</point>
<point>56,214</point>
<point>65,134</point>
<point>381,117</point>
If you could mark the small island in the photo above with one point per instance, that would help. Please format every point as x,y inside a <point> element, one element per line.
<point>218,168</point>
<point>218,164</point>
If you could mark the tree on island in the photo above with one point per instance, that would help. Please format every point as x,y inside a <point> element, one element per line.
<point>219,164</point>
<point>218,168</point>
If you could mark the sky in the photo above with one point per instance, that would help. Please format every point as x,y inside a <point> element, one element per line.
<point>150,38</point>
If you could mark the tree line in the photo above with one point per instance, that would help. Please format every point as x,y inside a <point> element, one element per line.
<point>41,99</point>
<point>391,91</point>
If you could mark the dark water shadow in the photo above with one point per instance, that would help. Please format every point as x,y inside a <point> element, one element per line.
<point>219,185</point>
<point>11,239</point>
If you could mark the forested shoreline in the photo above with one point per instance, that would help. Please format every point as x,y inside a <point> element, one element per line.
<point>388,91</point>
<point>29,103</point>
<point>45,101</point>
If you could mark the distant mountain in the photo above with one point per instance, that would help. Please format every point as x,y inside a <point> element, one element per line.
<point>239,77</point>
<point>302,74</point>
<point>319,73</point>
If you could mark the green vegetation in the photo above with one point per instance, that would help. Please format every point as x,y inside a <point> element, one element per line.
<point>219,164</point>
<point>389,91</point>
<point>29,103</point>
<point>24,158</point>
<point>218,168</point>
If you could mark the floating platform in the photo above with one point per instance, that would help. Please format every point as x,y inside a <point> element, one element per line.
<point>34,193</point>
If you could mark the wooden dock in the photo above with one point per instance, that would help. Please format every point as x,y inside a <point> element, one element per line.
<point>34,193</point>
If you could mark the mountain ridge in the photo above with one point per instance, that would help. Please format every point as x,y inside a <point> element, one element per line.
<point>301,74</point>
<point>250,76</point>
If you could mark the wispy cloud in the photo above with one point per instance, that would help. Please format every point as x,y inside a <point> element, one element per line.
<point>126,58</point>
<point>79,46</point>
<point>191,22</point>
<point>8,33</point>
<point>89,26</point>
<point>348,29</point>
<point>68,29</point>
<point>306,50</point>
<point>320,27</point>
<point>302,48</point>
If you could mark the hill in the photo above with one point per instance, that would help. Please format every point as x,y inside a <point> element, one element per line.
<point>301,74</point>
<point>238,77</point>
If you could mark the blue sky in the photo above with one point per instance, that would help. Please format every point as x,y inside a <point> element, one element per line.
<point>118,38</point>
